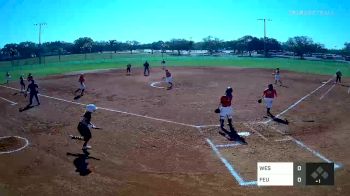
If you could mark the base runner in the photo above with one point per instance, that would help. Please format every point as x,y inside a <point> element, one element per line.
<point>277,76</point>
<point>85,125</point>
<point>226,111</point>
<point>268,95</point>
<point>168,79</point>
<point>82,85</point>
<point>22,84</point>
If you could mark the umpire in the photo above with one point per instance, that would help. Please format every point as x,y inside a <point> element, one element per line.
<point>33,92</point>
<point>146,69</point>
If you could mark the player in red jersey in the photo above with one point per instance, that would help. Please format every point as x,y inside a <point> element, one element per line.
<point>269,94</point>
<point>226,111</point>
<point>82,85</point>
<point>168,79</point>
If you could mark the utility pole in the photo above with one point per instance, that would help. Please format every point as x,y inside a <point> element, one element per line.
<point>264,19</point>
<point>40,25</point>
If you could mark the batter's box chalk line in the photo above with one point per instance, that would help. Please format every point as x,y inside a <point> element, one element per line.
<point>16,150</point>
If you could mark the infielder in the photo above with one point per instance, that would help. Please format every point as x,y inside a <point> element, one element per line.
<point>277,76</point>
<point>168,79</point>
<point>226,111</point>
<point>128,69</point>
<point>85,125</point>
<point>29,77</point>
<point>33,92</point>
<point>146,69</point>
<point>22,84</point>
<point>268,95</point>
<point>339,75</point>
<point>82,85</point>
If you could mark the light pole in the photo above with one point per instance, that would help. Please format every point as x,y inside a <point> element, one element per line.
<point>264,19</point>
<point>40,25</point>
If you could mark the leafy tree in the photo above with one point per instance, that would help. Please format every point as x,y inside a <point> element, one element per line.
<point>27,49</point>
<point>300,45</point>
<point>83,45</point>
<point>132,45</point>
<point>212,44</point>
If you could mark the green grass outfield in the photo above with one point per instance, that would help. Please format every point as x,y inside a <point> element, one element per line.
<point>72,63</point>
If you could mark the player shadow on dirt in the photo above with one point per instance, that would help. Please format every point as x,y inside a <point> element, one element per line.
<point>278,120</point>
<point>81,163</point>
<point>77,97</point>
<point>231,135</point>
<point>28,107</point>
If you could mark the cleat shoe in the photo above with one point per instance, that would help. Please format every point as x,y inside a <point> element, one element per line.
<point>86,147</point>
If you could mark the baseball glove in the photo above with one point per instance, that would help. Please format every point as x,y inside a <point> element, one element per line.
<point>217,110</point>
<point>259,100</point>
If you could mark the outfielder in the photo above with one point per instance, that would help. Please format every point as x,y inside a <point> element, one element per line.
<point>168,79</point>
<point>226,111</point>
<point>85,125</point>
<point>268,95</point>
<point>8,77</point>
<point>163,64</point>
<point>82,85</point>
<point>277,76</point>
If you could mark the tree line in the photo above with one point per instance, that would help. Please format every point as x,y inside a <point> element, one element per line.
<point>299,46</point>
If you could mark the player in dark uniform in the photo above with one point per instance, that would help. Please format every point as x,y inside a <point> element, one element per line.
<point>33,92</point>
<point>339,75</point>
<point>85,125</point>
<point>128,69</point>
<point>8,77</point>
<point>22,84</point>
<point>29,77</point>
<point>146,69</point>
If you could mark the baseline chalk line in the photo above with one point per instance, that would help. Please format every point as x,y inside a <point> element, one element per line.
<point>108,109</point>
<point>329,90</point>
<point>227,145</point>
<point>255,131</point>
<point>12,103</point>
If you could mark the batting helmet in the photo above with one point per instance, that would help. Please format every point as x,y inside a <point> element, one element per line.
<point>91,108</point>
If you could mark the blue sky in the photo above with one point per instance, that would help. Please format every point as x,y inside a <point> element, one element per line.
<point>326,21</point>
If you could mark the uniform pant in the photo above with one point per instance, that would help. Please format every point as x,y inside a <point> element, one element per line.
<point>31,96</point>
<point>84,131</point>
<point>146,70</point>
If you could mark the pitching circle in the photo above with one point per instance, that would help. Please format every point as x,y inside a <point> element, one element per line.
<point>19,149</point>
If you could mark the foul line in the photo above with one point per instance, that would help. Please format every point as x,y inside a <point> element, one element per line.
<point>327,92</point>
<point>255,131</point>
<point>300,100</point>
<point>227,145</point>
<point>336,166</point>
<point>108,109</point>
<point>12,103</point>
<point>288,138</point>
<point>21,148</point>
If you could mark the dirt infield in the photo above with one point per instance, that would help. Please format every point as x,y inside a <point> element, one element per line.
<point>158,142</point>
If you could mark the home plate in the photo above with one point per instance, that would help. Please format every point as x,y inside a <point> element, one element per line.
<point>244,133</point>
